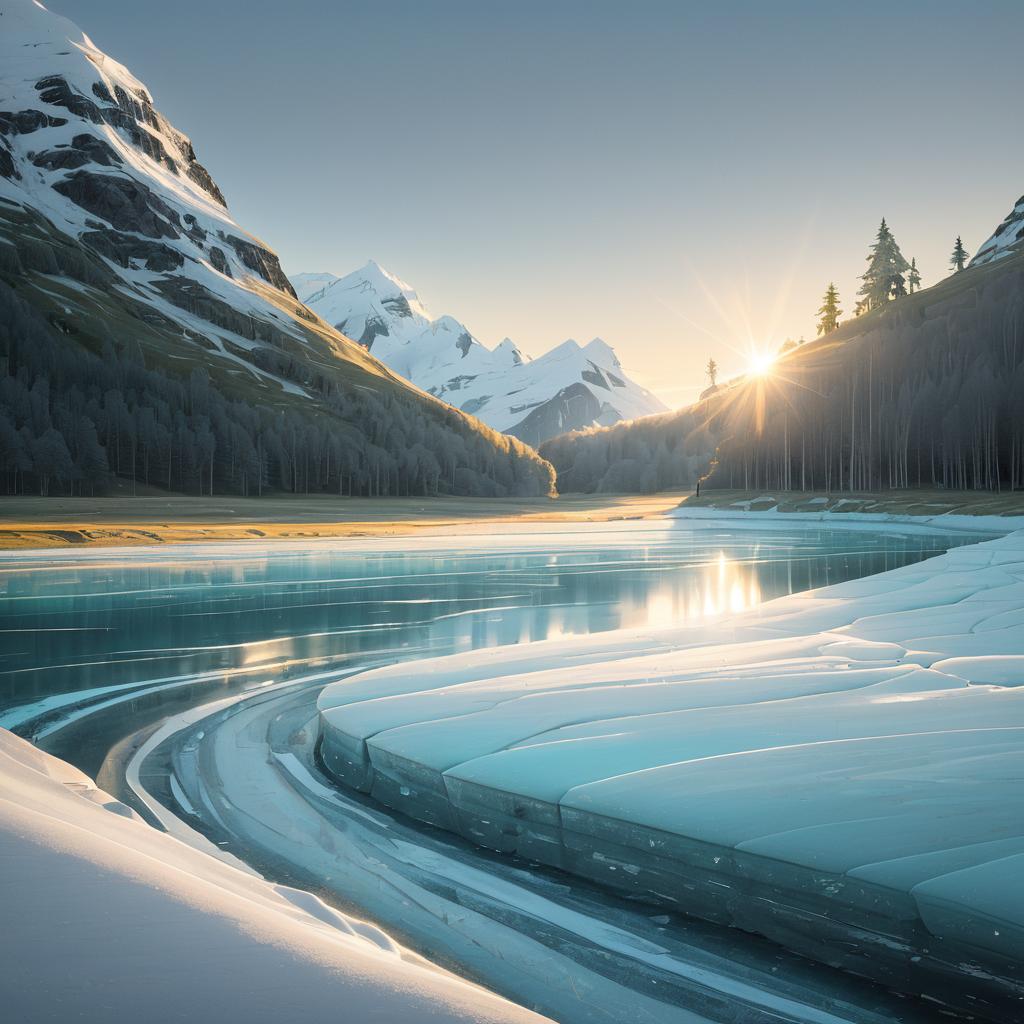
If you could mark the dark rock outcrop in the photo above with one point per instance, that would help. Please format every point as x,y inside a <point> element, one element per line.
<point>7,168</point>
<point>201,302</point>
<point>595,377</point>
<point>372,329</point>
<point>84,149</point>
<point>129,111</point>
<point>123,202</point>
<point>25,122</point>
<point>193,230</point>
<point>399,305</point>
<point>573,408</point>
<point>123,249</point>
<point>219,261</point>
<point>262,262</point>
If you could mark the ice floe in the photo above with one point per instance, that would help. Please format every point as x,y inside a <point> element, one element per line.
<point>841,770</point>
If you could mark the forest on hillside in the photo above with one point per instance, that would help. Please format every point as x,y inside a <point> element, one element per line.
<point>654,453</point>
<point>71,420</point>
<point>926,391</point>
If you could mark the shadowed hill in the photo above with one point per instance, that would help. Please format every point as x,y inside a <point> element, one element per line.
<point>925,391</point>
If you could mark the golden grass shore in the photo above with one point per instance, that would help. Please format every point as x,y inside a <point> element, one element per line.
<point>123,521</point>
<point>126,521</point>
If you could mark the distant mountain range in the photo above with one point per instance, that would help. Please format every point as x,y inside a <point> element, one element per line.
<point>570,387</point>
<point>145,334</point>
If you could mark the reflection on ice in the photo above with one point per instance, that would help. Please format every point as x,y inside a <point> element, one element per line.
<point>100,620</point>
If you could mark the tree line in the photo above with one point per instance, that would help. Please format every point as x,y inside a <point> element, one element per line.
<point>925,392</point>
<point>888,277</point>
<point>72,420</point>
<point>654,453</point>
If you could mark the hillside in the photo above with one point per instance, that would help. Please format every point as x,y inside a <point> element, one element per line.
<point>570,387</point>
<point>145,335</point>
<point>927,391</point>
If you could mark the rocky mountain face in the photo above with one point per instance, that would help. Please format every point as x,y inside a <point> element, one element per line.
<point>568,388</point>
<point>113,237</point>
<point>1006,240</point>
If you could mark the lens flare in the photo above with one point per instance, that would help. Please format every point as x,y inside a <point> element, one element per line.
<point>760,364</point>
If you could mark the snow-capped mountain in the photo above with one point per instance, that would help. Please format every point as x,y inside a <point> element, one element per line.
<point>112,233</point>
<point>567,388</point>
<point>1007,238</point>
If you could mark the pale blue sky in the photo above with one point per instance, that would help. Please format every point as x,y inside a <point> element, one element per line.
<point>672,177</point>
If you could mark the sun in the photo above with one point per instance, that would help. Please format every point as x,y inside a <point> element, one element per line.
<point>760,364</point>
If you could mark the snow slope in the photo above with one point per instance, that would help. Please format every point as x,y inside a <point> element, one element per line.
<point>840,770</point>
<point>1008,238</point>
<point>569,387</point>
<point>82,145</point>
<point>117,921</point>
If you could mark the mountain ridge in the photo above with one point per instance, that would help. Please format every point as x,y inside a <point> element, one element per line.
<point>571,386</point>
<point>115,240</point>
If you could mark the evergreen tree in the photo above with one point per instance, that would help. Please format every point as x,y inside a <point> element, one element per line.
<point>712,371</point>
<point>959,257</point>
<point>914,277</point>
<point>830,311</point>
<point>884,278</point>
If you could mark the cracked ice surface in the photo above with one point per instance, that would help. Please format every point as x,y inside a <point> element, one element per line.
<point>841,769</point>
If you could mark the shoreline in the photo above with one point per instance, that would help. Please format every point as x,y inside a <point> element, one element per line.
<point>32,523</point>
<point>72,523</point>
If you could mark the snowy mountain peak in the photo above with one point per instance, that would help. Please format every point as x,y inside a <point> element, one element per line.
<point>507,351</point>
<point>1007,238</point>
<point>567,388</point>
<point>600,351</point>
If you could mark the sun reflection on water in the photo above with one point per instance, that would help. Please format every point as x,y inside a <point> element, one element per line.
<point>722,585</point>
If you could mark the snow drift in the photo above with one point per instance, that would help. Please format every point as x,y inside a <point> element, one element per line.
<point>109,919</point>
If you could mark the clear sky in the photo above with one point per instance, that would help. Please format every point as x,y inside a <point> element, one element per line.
<point>681,179</point>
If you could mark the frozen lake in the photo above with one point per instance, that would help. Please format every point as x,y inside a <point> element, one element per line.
<point>98,647</point>
<point>75,621</point>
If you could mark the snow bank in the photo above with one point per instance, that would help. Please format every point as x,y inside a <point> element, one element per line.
<point>840,770</point>
<point>108,919</point>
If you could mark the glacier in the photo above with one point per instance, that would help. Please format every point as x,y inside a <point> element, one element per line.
<point>840,770</point>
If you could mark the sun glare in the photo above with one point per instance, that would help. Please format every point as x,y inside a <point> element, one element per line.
<point>760,364</point>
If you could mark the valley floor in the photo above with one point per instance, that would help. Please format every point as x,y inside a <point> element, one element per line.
<point>33,522</point>
<point>160,518</point>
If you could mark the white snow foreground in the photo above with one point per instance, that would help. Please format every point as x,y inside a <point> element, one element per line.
<point>841,770</point>
<point>106,918</point>
<point>569,387</point>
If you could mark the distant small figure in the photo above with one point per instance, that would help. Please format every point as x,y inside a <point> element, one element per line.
<point>697,495</point>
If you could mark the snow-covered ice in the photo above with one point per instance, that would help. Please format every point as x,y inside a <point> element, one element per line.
<point>841,770</point>
<point>118,921</point>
